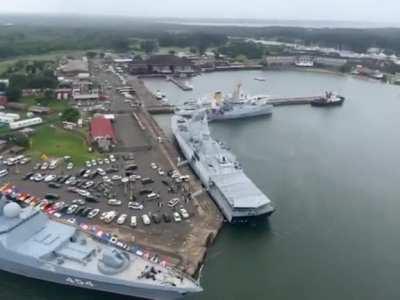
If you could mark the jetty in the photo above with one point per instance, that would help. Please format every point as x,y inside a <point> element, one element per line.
<point>184,86</point>
<point>293,100</point>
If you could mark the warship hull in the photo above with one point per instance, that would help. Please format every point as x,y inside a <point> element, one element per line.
<point>78,280</point>
<point>231,214</point>
<point>239,114</point>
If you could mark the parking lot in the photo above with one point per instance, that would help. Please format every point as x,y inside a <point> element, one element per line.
<point>138,180</point>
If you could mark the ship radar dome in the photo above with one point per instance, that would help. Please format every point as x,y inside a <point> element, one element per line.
<point>11,210</point>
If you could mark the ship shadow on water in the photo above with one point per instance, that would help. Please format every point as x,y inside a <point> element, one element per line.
<point>35,289</point>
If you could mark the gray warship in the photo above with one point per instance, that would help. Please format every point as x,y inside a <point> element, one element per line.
<point>238,198</point>
<point>34,246</point>
<point>235,106</point>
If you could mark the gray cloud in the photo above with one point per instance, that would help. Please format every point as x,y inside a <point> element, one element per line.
<point>350,10</point>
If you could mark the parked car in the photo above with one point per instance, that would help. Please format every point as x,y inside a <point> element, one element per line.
<point>121,219</point>
<point>146,220</point>
<point>152,196</point>
<point>71,209</point>
<point>147,181</point>
<point>54,185</point>
<point>70,180</point>
<point>167,218</point>
<point>44,166</point>
<point>70,166</point>
<point>156,218</point>
<point>49,178</point>
<point>27,176</point>
<point>177,217</point>
<point>184,213</point>
<point>173,202</point>
<point>52,196</point>
<point>114,202</point>
<point>93,213</point>
<point>110,216</point>
<point>78,201</point>
<point>133,221</point>
<point>135,205</point>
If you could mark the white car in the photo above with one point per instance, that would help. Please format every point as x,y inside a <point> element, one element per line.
<point>116,177</point>
<point>70,180</point>
<point>153,165</point>
<point>107,161</point>
<point>133,221</point>
<point>173,202</point>
<point>88,164</point>
<point>121,219</point>
<point>53,165</point>
<point>93,213</point>
<point>177,217</point>
<point>44,166</point>
<point>114,202</point>
<point>184,213</point>
<point>125,180</point>
<point>49,178</point>
<point>83,193</point>
<point>146,219</point>
<point>101,172</point>
<point>110,216</point>
<point>78,201</point>
<point>106,179</point>
<point>152,196</point>
<point>70,166</point>
<point>161,172</point>
<point>72,209</point>
<point>38,177</point>
<point>135,205</point>
<point>94,163</point>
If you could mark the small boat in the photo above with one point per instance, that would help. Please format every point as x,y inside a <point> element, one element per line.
<point>330,99</point>
<point>260,79</point>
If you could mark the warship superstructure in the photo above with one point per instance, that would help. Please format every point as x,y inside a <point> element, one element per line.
<point>34,246</point>
<point>224,107</point>
<point>238,198</point>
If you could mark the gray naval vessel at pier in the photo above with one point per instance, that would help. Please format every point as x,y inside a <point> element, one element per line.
<point>238,198</point>
<point>34,246</point>
<point>227,107</point>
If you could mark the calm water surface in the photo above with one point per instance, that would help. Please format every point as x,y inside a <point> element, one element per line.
<point>334,177</point>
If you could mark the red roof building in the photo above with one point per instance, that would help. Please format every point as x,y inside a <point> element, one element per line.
<point>102,129</point>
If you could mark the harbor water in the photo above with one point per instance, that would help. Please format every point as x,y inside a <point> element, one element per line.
<point>333,175</point>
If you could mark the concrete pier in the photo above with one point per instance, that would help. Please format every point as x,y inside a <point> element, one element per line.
<point>181,84</point>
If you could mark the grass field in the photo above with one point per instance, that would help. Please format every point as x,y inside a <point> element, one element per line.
<point>56,142</point>
<point>4,64</point>
<point>53,104</point>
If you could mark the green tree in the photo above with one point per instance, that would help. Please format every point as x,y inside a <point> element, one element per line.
<point>21,140</point>
<point>149,46</point>
<point>91,54</point>
<point>3,87</point>
<point>14,93</point>
<point>70,115</point>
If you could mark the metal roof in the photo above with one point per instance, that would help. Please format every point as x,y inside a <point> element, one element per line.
<point>240,191</point>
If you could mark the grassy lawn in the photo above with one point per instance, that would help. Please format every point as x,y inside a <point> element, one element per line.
<point>4,64</point>
<point>53,104</point>
<point>56,142</point>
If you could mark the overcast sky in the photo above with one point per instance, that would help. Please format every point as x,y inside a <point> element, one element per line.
<point>341,10</point>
